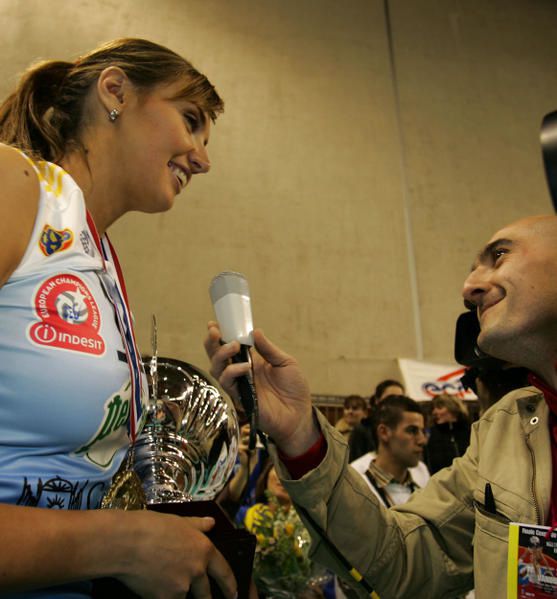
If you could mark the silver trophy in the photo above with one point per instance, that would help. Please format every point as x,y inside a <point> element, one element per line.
<point>183,458</point>
<point>188,446</point>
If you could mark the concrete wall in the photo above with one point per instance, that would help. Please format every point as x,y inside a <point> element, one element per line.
<point>367,149</point>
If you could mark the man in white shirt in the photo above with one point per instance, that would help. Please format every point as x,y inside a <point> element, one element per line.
<point>396,470</point>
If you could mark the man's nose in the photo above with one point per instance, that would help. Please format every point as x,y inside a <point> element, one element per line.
<point>475,286</point>
<point>421,439</point>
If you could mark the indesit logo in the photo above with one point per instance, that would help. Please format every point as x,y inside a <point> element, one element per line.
<point>69,316</point>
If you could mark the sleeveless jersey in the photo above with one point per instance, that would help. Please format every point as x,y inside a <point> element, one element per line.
<point>64,378</point>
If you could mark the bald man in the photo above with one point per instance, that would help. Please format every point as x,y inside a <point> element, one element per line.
<point>452,535</point>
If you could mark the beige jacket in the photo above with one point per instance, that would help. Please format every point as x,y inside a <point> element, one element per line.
<point>442,542</point>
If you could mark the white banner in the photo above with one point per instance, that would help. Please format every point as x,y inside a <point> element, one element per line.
<point>424,380</point>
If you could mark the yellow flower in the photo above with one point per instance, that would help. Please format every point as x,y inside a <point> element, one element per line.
<point>257,516</point>
<point>289,528</point>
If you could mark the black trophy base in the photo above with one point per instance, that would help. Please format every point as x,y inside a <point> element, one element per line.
<point>236,545</point>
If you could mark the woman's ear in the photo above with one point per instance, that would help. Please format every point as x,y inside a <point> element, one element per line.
<point>113,88</point>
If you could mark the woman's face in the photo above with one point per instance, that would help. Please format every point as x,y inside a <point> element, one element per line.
<point>441,415</point>
<point>275,486</point>
<point>390,390</point>
<point>160,143</point>
<point>353,414</point>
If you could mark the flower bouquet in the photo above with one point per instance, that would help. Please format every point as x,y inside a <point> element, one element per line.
<point>282,568</point>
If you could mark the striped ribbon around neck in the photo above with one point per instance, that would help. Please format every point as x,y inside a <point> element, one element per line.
<point>115,289</point>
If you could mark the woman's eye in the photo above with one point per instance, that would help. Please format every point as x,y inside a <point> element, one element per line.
<point>192,121</point>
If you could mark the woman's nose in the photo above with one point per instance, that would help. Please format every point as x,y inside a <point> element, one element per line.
<point>199,160</point>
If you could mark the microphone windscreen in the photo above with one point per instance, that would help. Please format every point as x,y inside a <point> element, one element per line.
<point>229,293</point>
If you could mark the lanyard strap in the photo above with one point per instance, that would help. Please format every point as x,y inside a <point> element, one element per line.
<point>387,502</point>
<point>115,289</point>
<point>381,490</point>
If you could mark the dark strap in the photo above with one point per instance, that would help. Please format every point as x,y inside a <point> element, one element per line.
<point>386,499</point>
<point>380,491</point>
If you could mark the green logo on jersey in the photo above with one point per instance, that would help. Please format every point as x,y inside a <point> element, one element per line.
<point>112,433</point>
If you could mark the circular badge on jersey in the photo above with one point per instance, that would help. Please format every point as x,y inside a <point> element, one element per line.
<point>69,317</point>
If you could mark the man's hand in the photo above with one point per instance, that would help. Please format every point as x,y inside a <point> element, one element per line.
<point>285,411</point>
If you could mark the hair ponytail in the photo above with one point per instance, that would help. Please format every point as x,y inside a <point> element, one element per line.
<point>29,119</point>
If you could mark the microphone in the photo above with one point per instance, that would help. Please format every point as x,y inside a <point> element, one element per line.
<point>229,293</point>
<point>230,296</point>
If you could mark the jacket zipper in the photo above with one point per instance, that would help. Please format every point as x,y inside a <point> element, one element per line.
<point>533,484</point>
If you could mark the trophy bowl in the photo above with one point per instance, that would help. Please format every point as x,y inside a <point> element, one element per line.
<point>188,446</point>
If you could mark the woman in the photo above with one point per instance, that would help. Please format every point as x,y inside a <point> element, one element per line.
<point>449,436</point>
<point>122,128</point>
<point>354,410</point>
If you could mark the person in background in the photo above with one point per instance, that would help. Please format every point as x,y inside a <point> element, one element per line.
<point>282,567</point>
<point>361,440</point>
<point>122,128</point>
<point>355,409</point>
<point>449,435</point>
<point>389,414</point>
<point>399,433</point>
<point>242,491</point>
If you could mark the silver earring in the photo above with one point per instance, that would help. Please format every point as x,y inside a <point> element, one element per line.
<point>113,115</point>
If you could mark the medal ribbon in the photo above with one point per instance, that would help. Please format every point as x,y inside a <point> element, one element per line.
<point>116,292</point>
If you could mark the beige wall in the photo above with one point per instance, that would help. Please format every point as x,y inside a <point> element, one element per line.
<point>361,160</point>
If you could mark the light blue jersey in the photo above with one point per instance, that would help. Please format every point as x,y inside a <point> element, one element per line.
<point>64,378</point>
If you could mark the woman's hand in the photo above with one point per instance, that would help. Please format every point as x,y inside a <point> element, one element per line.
<point>172,555</point>
<point>285,411</point>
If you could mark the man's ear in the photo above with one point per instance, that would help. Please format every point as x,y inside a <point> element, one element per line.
<point>113,88</point>
<point>383,433</point>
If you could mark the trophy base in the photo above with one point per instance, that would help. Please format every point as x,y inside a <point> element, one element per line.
<point>236,545</point>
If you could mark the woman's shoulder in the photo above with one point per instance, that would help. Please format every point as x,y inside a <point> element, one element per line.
<point>19,199</point>
<point>17,170</point>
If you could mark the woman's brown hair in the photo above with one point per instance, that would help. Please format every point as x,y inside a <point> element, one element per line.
<point>454,404</point>
<point>46,112</point>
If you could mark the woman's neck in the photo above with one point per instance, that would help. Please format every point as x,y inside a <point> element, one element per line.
<point>99,195</point>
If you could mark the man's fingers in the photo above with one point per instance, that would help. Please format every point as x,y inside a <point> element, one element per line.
<point>228,376</point>
<point>212,341</point>
<point>269,351</point>
<point>221,355</point>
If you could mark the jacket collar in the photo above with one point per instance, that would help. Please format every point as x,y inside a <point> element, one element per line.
<point>533,411</point>
<point>549,394</point>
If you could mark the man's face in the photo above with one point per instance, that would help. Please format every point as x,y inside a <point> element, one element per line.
<point>513,286</point>
<point>406,441</point>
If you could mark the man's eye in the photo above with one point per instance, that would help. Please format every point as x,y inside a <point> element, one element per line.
<point>498,252</point>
